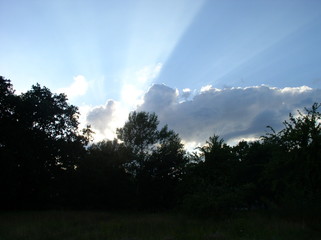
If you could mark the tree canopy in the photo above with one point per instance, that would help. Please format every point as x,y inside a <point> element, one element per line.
<point>157,158</point>
<point>46,162</point>
<point>39,141</point>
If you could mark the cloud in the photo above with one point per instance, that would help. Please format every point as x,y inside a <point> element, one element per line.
<point>159,98</point>
<point>231,113</point>
<point>206,88</point>
<point>78,88</point>
<point>106,119</point>
<point>131,95</point>
<point>186,93</point>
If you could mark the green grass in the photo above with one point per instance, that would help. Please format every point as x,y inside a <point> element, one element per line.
<point>61,225</point>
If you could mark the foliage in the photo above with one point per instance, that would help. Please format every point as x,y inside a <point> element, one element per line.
<point>157,159</point>
<point>281,171</point>
<point>39,144</point>
<point>87,225</point>
<point>47,162</point>
<point>210,185</point>
<point>294,171</point>
<point>139,134</point>
<point>101,180</point>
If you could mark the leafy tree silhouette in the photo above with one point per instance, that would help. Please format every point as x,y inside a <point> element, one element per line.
<point>157,159</point>
<point>294,171</point>
<point>45,161</point>
<point>40,144</point>
<point>211,189</point>
<point>101,180</point>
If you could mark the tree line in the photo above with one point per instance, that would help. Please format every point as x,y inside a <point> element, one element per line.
<point>48,162</point>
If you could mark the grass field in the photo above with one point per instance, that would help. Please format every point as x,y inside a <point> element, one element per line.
<point>61,225</point>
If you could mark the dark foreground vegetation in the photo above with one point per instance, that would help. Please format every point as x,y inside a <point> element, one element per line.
<point>67,225</point>
<point>47,162</point>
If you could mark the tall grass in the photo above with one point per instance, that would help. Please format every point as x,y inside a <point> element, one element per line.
<point>60,225</point>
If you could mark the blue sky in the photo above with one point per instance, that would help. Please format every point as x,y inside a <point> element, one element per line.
<point>206,62</point>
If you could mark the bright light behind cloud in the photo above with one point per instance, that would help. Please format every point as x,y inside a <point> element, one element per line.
<point>106,119</point>
<point>148,73</point>
<point>249,138</point>
<point>83,111</point>
<point>131,95</point>
<point>206,88</point>
<point>296,90</point>
<point>185,90</point>
<point>136,84</point>
<point>78,88</point>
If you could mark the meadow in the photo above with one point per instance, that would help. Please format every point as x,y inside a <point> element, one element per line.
<point>94,225</point>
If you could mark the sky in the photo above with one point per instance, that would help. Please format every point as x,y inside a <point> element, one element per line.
<point>205,67</point>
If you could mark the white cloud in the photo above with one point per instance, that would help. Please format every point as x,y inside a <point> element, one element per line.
<point>206,88</point>
<point>83,110</point>
<point>209,88</point>
<point>78,88</point>
<point>186,93</point>
<point>106,119</point>
<point>186,90</point>
<point>234,113</point>
<point>159,98</point>
<point>131,95</point>
<point>296,90</point>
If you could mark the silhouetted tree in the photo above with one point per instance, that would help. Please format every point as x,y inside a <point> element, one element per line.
<point>139,135</point>
<point>295,169</point>
<point>211,189</point>
<point>45,160</point>
<point>40,143</point>
<point>164,170</point>
<point>8,133</point>
<point>101,178</point>
<point>157,159</point>
<point>253,158</point>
